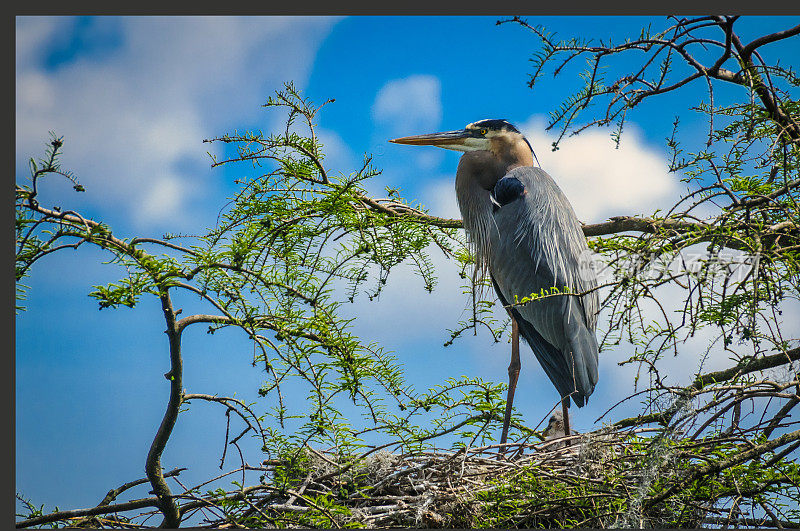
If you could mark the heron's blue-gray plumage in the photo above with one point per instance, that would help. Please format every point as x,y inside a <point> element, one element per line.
<point>531,240</point>
<point>524,233</point>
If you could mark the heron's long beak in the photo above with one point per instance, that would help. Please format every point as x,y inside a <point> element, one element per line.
<point>449,139</point>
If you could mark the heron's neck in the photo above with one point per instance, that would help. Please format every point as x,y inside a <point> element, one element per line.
<point>512,152</point>
<point>478,172</point>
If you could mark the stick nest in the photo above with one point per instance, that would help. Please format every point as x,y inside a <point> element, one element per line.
<point>569,481</point>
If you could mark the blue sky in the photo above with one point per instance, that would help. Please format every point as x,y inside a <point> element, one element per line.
<point>135,97</point>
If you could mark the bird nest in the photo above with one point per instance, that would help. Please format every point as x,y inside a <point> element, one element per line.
<point>578,480</point>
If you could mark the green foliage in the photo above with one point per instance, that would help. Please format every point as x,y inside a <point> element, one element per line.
<point>299,244</point>
<point>302,243</point>
<point>292,468</point>
<point>126,293</point>
<point>294,248</point>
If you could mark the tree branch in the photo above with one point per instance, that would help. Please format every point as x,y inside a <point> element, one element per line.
<point>94,511</point>
<point>166,503</point>
<point>716,466</point>
<point>744,367</point>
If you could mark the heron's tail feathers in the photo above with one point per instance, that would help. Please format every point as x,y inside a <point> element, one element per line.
<point>573,367</point>
<point>583,349</point>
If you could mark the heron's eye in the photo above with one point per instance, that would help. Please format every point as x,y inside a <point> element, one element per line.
<point>483,132</point>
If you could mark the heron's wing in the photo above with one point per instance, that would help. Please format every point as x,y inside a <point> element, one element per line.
<point>551,359</point>
<point>536,244</point>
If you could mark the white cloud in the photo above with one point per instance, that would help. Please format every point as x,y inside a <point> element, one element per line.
<point>338,155</point>
<point>35,90</point>
<point>32,36</point>
<point>405,306</point>
<point>601,181</point>
<point>410,105</point>
<point>428,159</point>
<point>162,198</point>
<point>439,196</point>
<point>134,118</point>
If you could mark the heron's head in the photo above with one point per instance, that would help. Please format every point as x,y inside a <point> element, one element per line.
<point>497,136</point>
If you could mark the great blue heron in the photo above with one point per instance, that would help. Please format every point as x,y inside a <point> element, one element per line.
<point>523,231</point>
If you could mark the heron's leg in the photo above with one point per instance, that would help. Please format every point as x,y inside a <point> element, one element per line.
<point>565,410</point>
<point>513,375</point>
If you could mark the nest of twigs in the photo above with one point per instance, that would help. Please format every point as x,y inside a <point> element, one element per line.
<point>576,481</point>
